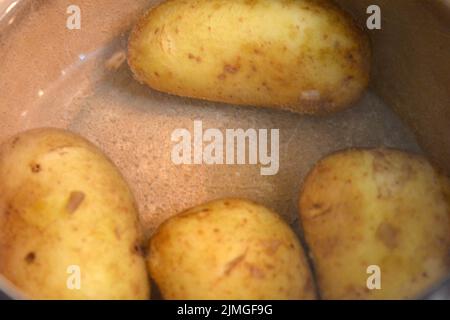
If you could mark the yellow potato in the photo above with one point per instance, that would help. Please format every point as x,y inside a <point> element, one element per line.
<point>306,56</point>
<point>68,222</point>
<point>382,208</point>
<point>229,249</point>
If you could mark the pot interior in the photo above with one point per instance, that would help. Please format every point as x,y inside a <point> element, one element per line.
<point>51,76</point>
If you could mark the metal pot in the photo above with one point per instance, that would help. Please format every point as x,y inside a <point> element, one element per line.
<point>55,75</point>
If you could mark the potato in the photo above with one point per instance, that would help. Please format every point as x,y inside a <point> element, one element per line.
<point>66,214</point>
<point>229,249</point>
<point>306,56</point>
<point>383,208</point>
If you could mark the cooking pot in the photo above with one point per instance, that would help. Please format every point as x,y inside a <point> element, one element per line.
<point>54,74</point>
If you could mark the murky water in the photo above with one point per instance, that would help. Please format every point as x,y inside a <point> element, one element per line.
<point>77,88</point>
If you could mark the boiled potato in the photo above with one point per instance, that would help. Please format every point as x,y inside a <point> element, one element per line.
<point>68,222</point>
<point>381,208</point>
<point>306,56</point>
<point>229,249</point>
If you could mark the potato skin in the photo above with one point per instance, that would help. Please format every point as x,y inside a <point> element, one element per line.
<point>305,56</point>
<point>376,207</point>
<point>63,203</point>
<point>229,249</point>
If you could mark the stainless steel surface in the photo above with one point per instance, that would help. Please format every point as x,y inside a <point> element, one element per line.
<point>52,76</point>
